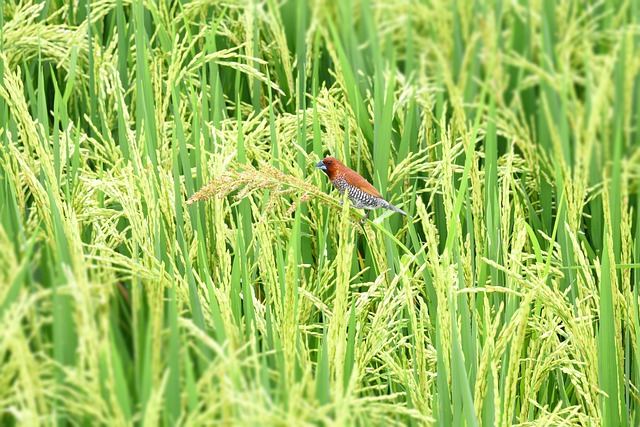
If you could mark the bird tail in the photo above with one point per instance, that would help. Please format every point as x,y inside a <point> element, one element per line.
<point>400,211</point>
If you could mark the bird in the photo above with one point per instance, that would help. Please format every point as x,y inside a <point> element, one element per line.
<point>360,192</point>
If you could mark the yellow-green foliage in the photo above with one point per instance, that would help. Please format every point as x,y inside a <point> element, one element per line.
<point>170,255</point>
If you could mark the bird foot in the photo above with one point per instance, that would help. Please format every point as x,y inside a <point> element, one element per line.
<point>363,221</point>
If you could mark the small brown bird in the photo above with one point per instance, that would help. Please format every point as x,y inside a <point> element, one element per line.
<point>361,194</point>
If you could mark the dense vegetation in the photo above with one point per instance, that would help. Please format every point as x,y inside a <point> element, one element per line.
<point>169,254</point>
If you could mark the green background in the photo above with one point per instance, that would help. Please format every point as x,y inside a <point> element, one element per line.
<point>507,130</point>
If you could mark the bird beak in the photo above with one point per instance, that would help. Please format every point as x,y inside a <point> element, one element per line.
<point>321,165</point>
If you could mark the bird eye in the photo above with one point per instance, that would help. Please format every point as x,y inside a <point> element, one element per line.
<point>329,162</point>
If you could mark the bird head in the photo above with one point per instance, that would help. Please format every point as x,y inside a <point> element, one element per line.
<point>330,165</point>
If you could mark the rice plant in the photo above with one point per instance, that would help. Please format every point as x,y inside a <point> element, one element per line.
<point>170,255</point>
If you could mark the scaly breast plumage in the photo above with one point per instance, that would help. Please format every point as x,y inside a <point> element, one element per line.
<point>340,183</point>
<point>359,199</point>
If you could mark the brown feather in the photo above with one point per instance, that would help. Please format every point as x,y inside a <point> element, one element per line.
<point>355,179</point>
<point>335,168</point>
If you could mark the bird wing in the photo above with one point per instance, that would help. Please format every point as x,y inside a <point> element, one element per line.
<point>355,179</point>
